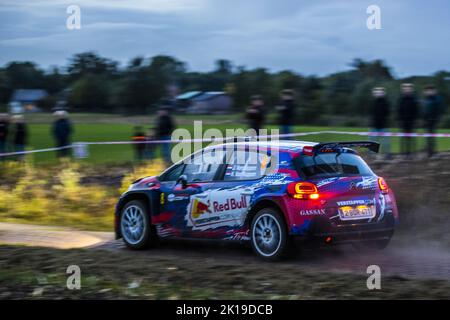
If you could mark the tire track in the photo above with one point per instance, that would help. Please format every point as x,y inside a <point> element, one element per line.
<point>425,261</point>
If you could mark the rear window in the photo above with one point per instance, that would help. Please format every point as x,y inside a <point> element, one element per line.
<point>332,165</point>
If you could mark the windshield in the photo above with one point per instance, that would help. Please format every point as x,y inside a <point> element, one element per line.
<point>332,165</point>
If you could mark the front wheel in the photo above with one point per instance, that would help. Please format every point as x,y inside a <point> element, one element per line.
<point>135,226</point>
<point>268,234</point>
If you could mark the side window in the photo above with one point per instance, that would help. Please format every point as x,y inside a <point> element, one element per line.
<point>173,174</point>
<point>198,168</point>
<point>246,165</point>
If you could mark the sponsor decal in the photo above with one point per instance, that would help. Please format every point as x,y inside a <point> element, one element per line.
<point>326,181</point>
<point>224,208</point>
<point>382,201</point>
<point>230,204</point>
<point>239,236</point>
<point>171,197</point>
<point>199,208</point>
<point>351,203</point>
<point>249,171</point>
<point>311,212</point>
<point>271,180</point>
<point>367,183</point>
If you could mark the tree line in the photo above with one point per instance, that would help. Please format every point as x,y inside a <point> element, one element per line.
<point>91,83</point>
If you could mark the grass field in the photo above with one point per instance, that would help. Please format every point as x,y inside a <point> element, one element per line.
<point>100,127</point>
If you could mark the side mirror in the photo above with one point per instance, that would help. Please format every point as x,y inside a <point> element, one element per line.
<point>183,180</point>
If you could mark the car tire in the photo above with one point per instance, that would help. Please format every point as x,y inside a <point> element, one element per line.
<point>137,231</point>
<point>269,238</point>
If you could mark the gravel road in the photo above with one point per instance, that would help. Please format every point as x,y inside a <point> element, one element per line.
<point>415,260</point>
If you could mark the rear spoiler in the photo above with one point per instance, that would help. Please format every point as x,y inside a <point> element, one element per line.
<point>372,146</point>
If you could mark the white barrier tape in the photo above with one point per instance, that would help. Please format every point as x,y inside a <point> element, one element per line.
<point>392,134</point>
<point>18,153</point>
<point>287,135</point>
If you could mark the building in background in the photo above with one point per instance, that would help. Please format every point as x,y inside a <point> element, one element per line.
<point>198,102</point>
<point>26,100</point>
<point>184,100</point>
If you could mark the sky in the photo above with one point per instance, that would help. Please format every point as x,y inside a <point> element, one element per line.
<point>307,36</point>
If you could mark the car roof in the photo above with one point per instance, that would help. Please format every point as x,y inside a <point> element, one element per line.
<point>281,145</point>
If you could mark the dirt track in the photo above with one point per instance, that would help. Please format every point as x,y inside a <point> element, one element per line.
<point>399,259</point>
<point>419,252</point>
<point>51,237</point>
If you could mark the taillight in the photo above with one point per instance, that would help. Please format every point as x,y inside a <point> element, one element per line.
<point>383,185</point>
<point>308,150</point>
<point>303,190</point>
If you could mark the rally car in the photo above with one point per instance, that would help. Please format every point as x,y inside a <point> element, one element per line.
<point>267,193</point>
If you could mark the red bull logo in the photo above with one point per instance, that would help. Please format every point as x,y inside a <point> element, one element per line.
<point>199,208</point>
<point>230,204</point>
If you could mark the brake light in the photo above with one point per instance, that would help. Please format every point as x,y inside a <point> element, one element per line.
<point>314,196</point>
<point>303,190</point>
<point>383,185</point>
<point>308,150</point>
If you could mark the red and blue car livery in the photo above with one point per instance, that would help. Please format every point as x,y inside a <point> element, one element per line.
<point>273,194</point>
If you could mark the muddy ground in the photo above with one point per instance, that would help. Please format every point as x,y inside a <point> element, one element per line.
<point>416,264</point>
<point>176,271</point>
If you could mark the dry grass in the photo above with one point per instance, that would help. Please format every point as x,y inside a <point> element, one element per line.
<point>56,195</point>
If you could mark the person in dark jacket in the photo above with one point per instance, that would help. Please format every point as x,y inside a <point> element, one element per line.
<point>433,109</point>
<point>149,147</point>
<point>62,131</point>
<point>255,113</point>
<point>380,110</point>
<point>164,127</point>
<point>286,111</point>
<point>139,148</point>
<point>4,130</point>
<point>20,135</point>
<point>407,113</point>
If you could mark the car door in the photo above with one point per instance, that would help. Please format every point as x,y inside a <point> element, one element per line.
<point>188,207</point>
<point>231,197</point>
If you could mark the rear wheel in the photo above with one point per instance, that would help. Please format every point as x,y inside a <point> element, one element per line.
<point>135,226</point>
<point>268,234</point>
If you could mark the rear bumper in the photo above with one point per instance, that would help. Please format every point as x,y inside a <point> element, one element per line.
<point>321,230</point>
<point>342,237</point>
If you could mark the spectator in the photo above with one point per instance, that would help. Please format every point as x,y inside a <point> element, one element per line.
<point>255,113</point>
<point>62,131</point>
<point>432,112</point>
<point>286,111</point>
<point>164,128</point>
<point>20,135</point>
<point>380,117</point>
<point>139,148</point>
<point>4,129</point>
<point>149,147</point>
<point>407,112</point>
